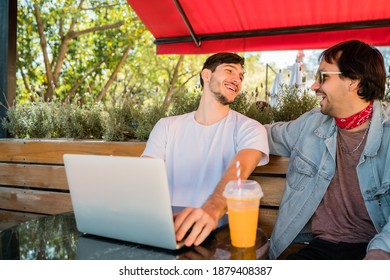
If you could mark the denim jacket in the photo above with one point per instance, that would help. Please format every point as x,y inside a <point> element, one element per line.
<point>310,142</point>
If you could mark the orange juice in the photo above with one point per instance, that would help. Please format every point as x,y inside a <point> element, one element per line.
<point>242,253</point>
<point>243,201</point>
<point>243,226</point>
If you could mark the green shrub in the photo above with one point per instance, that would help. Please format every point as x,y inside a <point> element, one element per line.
<point>53,120</point>
<point>241,103</point>
<point>126,119</point>
<point>30,120</point>
<point>262,115</point>
<point>146,120</point>
<point>80,122</point>
<point>95,125</point>
<point>120,122</point>
<point>292,103</point>
<point>387,92</point>
<point>185,102</point>
<point>16,122</point>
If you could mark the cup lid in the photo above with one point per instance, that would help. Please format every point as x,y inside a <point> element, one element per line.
<point>246,190</point>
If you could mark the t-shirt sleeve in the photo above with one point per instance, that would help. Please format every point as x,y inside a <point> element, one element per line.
<point>252,135</point>
<point>156,144</point>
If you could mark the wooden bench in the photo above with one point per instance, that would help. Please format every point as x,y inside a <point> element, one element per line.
<point>272,178</point>
<point>33,181</point>
<point>32,175</point>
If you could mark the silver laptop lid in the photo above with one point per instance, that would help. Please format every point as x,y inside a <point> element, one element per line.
<point>125,198</point>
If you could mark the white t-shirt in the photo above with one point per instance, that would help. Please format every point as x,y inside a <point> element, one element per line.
<point>197,155</point>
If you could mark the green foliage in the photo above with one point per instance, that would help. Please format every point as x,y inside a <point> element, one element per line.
<point>79,122</point>
<point>185,102</point>
<point>241,103</point>
<point>293,103</point>
<point>262,115</point>
<point>387,92</point>
<point>126,119</point>
<point>91,52</point>
<point>15,122</point>
<point>84,39</point>
<point>147,119</point>
<point>120,122</point>
<point>54,120</point>
<point>85,42</point>
<point>33,120</point>
<point>98,33</point>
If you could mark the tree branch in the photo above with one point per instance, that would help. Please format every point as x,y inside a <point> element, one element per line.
<point>63,49</point>
<point>114,74</point>
<point>170,91</point>
<point>74,34</point>
<point>71,35</point>
<point>72,91</point>
<point>25,81</point>
<point>42,39</point>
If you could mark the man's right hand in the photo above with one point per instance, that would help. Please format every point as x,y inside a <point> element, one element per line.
<point>193,225</point>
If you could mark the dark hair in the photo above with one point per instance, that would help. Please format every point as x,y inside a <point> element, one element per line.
<point>358,60</point>
<point>212,62</point>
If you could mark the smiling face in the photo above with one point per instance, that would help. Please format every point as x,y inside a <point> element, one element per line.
<point>225,83</point>
<point>335,92</point>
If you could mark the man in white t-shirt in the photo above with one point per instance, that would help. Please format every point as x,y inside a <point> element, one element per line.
<point>201,148</point>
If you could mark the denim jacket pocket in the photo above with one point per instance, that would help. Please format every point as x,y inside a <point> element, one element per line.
<point>380,197</point>
<point>300,173</point>
<point>381,193</point>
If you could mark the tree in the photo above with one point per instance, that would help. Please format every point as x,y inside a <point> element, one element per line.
<point>78,45</point>
<point>92,50</point>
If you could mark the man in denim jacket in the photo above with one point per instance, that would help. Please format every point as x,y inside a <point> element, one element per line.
<point>337,193</point>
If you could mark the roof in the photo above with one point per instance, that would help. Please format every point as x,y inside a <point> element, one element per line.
<point>209,26</point>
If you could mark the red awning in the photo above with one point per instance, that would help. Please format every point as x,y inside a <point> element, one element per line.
<point>209,26</point>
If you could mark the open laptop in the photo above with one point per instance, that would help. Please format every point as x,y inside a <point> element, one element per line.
<point>125,198</point>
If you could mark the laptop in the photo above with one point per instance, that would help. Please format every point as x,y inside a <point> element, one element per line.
<point>124,198</point>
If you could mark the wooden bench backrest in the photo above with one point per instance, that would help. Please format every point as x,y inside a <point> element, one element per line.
<point>33,180</point>
<point>32,175</point>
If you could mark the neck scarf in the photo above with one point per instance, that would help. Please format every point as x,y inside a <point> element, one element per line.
<point>356,119</point>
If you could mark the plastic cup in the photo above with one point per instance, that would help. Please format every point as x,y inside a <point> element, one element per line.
<point>242,253</point>
<point>243,203</point>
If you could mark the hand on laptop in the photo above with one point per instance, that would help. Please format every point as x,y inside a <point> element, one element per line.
<point>193,225</point>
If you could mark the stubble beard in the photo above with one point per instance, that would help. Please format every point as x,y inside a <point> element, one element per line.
<point>222,99</point>
<point>326,110</point>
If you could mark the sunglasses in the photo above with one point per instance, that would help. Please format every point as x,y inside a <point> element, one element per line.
<point>320,76</point>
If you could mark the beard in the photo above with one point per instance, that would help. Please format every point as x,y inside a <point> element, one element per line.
<point>222,99</point>
<point>326,108</point>
<point>215,89</point>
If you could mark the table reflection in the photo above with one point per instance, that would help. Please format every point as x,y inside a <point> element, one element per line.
<point>56,237</point>
<point>52,237</point>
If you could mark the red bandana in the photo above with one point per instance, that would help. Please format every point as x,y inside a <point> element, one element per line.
<point>356,119</point>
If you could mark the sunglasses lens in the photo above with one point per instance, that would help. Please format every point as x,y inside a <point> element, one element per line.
<point>319,77</point>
